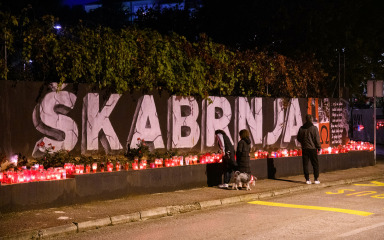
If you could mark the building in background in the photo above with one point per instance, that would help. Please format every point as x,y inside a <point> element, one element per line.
<point>132,7</point>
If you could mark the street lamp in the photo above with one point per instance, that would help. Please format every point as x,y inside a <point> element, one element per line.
<point>57,26</point>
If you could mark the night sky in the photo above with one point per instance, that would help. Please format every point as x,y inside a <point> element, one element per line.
<point>77,2</point>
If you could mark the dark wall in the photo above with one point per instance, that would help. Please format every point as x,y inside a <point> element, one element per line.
<point>31,112</point>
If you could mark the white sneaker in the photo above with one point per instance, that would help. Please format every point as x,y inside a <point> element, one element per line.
<point>225,185</point>
<point>317,182</point>
<point>309,182</point>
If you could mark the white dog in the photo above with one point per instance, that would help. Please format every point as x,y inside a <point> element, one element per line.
<point>243,178</point>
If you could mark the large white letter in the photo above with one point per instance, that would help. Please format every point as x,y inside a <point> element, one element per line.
<point>216,115</point>
<point>145,124</point>
<point>49,118</point>
<point>278,111</point>
<point>249,117</point>
<point>95,122</point>
<point>293,122</point>
<point>183,129</point>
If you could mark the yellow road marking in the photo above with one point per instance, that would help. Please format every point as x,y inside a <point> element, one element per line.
<point>340,210</point>
<point>373,184</point>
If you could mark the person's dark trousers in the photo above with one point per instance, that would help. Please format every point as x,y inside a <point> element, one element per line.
<point>227,176</point>
<point>310,155</point>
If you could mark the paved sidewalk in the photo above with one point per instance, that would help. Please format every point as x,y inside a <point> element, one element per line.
<point>52,221</point>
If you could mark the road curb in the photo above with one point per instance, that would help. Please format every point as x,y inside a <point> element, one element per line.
<point>175,209</point>
<point>54,231</point>
<point>230,200</point>
<point>153,213</point>
<point>97,223</point>
<point>125,218</point>
<point>172,210</point>
<point>249,197</point>
<point>209,203</point>
<point>281,192</point>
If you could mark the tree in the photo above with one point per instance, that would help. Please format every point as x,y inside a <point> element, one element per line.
<point>7,23</point>
<point>131,59</point>
<point>323,29</point>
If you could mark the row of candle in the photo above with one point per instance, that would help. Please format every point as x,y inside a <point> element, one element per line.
<point>38,173</point>
<point>32,175</point>
<point>351,146</point>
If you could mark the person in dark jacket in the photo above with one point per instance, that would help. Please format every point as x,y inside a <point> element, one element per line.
<point>228,152</point>
<point>309,138</point>
<point>242,152</point>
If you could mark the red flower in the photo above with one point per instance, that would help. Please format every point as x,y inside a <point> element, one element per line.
<point>53,147</point>
<point>41,144</point>
<point>138,139</point>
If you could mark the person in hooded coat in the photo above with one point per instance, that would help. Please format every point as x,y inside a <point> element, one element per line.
<point>309,138</point>
<point>242,153</point>
<point>228,152</point>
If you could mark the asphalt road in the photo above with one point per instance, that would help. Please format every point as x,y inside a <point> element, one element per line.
<point>342,212</point>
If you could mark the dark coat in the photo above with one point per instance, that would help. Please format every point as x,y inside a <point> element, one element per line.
<point>242,155</point>
<point>308,136</point>
<point>229,155</point>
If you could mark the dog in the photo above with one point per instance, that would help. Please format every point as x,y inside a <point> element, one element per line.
<point>243,178</point>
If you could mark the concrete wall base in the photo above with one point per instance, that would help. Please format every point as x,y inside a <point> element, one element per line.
<point>111,185</point>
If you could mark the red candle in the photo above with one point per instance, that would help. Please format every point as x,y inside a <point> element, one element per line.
<point>195,159</point>
<point>9,177</point>
<point>27,175</point>
<point>43,175</point>
<point>63,173</point>
<point>94,167</point>
<point>48,175</point>
<point>88,168</point>
<point>126,166</point>
<point>38,176</point>
<point>117,166</point>
<point>203,160</point>
<point>20,177</point>
<point>167,162</point>
<point>58,175</point>
<point>109,167</point>
<point>135,166</point>
<point>213,158</point>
